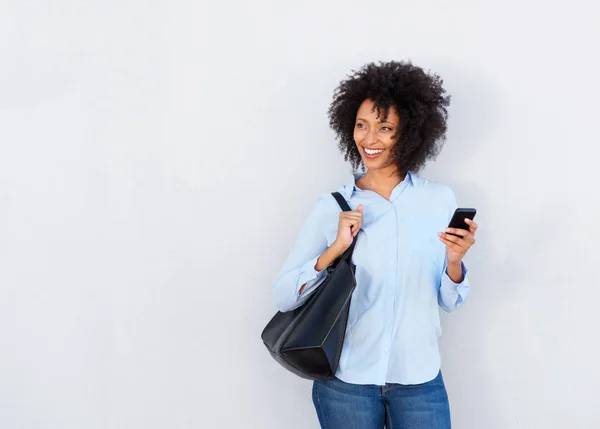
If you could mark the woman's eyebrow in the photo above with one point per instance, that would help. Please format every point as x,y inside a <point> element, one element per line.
<point>380,121</point>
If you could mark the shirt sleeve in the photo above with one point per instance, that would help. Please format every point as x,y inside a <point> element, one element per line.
<point>451,295</point>
<point>299,267</point>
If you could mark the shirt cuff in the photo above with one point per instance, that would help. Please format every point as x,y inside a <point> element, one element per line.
<point>452,292</point>
<point>309,276</point>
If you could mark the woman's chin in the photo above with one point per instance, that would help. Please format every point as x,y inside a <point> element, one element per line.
<point>373,164</point>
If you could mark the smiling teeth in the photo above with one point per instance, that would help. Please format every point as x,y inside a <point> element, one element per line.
<point>373,152</point>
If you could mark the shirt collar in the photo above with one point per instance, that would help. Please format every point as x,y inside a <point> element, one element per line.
<point>350,186</point>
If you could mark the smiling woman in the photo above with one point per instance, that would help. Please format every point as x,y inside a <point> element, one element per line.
<point>375,135</point>
<point>390,118</point>
<point>388,103</point>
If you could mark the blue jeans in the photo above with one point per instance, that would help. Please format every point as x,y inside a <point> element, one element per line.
<point>343,405</point>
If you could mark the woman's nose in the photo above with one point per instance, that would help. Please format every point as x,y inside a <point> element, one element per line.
<point>371,137</point>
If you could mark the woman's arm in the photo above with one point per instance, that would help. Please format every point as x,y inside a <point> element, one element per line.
<point>454,287</point>
<point>300,266</point>
<point>327,258</point>
<point>310,256</point>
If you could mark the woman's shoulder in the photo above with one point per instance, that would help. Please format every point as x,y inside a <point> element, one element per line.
<point>326,202</point>
<point>432,188</point>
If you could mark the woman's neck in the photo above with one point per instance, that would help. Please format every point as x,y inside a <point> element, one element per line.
<point>382,181</point>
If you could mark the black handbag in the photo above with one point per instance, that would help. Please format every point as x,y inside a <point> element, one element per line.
<point>308,340</point>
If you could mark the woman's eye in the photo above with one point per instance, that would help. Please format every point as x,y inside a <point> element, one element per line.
<point>386,129</point>
<point>359,126</point>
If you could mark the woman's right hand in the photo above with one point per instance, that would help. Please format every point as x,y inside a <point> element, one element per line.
<point>348,226</point>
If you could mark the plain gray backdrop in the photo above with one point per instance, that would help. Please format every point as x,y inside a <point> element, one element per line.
<point>157,160</point>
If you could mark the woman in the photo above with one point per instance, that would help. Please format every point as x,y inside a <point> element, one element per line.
<point>390,118</point>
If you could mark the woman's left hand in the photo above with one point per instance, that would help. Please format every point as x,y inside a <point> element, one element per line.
<point>456,247</point>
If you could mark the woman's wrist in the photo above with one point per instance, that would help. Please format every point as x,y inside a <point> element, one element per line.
<point>338,248</point>
<point>330,255</point>
<point>455,272</point>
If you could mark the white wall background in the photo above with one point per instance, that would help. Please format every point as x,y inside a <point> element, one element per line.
<point>158,158</point>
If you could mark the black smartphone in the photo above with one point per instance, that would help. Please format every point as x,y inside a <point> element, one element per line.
<point>458,218</point>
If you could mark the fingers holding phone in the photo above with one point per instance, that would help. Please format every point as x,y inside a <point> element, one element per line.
<point>459,236</point>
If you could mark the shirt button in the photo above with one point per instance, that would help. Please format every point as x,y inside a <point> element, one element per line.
<point>392,234</point>
<point>389,321</point>
<point>391,291</point>
<point>385,350</point>
<point>392,263</point>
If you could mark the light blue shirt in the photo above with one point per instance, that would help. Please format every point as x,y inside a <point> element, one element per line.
<point>393,323</point>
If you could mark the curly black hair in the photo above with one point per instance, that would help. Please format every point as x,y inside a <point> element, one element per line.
<point>419,98</point>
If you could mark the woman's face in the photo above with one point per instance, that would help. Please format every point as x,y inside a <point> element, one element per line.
<point>374,138</point>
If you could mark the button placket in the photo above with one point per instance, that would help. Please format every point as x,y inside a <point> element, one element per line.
<point>393,272</point>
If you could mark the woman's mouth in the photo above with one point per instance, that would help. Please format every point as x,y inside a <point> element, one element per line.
<point>372,153</point>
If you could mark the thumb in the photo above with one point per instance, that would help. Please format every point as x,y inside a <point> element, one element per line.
<point>360,208</point>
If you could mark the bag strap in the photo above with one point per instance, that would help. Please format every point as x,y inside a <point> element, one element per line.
<point>347,255</point>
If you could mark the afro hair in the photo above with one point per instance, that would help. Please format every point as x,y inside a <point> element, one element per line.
<point>419,98</point>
